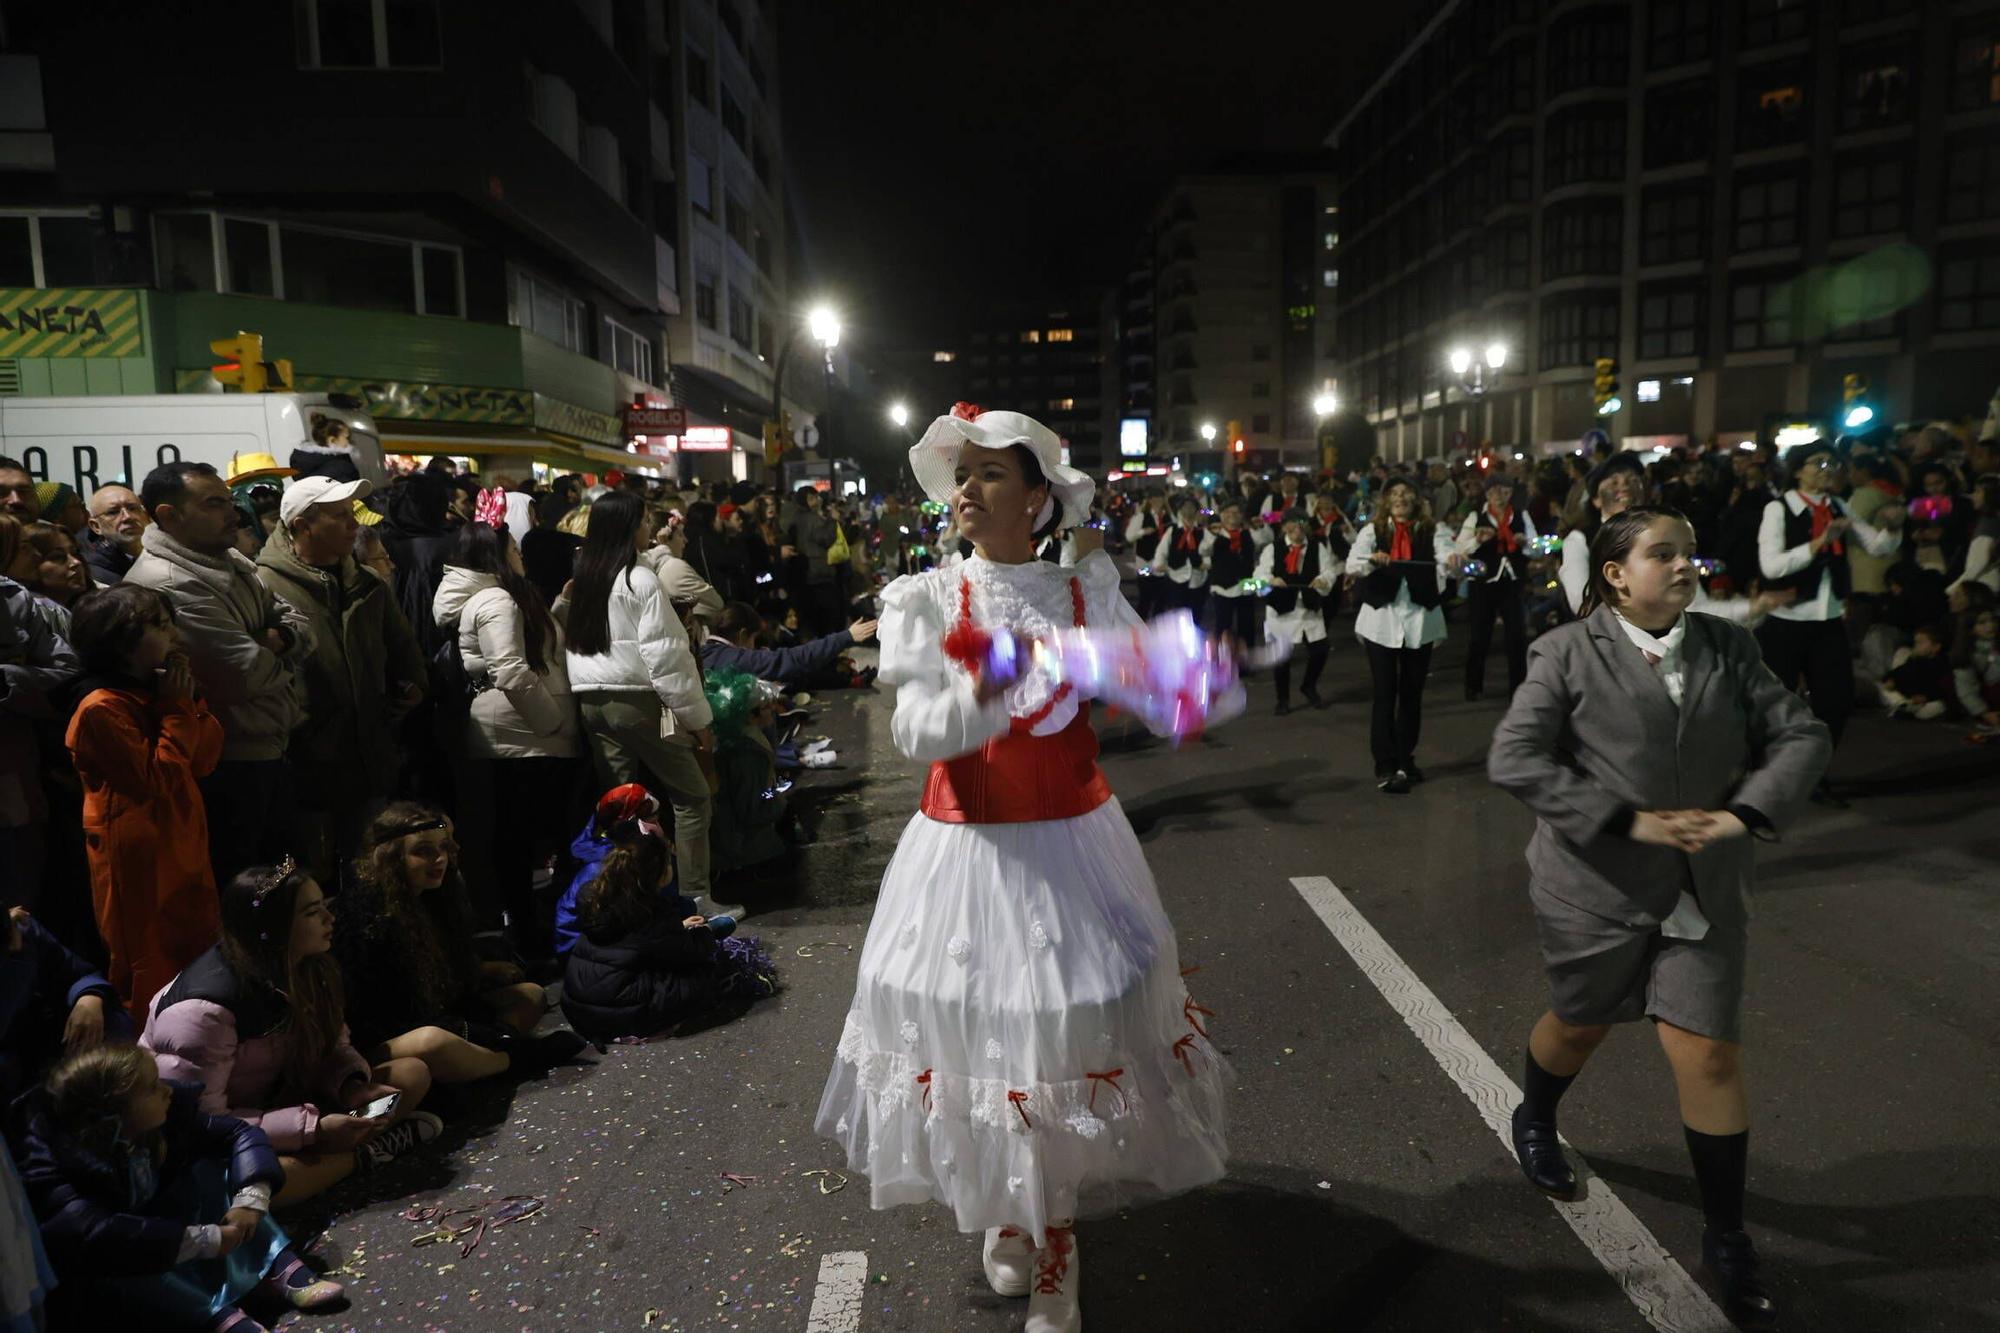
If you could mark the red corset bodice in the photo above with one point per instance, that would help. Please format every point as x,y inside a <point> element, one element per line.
<point>1017,777</point>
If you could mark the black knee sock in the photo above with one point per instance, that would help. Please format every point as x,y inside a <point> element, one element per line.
<point>1721,1166</point>
<point>1541,1090</point>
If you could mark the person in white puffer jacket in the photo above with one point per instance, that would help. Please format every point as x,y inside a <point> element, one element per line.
<point>644,714</point>
<point>521,727</point>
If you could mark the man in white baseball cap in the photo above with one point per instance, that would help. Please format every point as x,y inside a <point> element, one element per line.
<point>309,492</point>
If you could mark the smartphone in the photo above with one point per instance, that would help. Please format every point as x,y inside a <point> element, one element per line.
<point>381,1108</point>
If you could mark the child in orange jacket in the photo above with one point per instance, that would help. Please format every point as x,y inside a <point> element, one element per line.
<point>142,739</point>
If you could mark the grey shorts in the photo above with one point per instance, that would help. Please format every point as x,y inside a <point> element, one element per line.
<point>1604,971</point>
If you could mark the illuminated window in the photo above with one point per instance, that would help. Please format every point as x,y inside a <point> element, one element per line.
<point>1061,335</point>
<point>942,358</point>
<point>1649,391</point>
<point>1031,335</point>
<point>1329,277</point>
<point>1062,404</point>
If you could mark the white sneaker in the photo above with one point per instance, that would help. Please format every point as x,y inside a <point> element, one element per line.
<point>716,907</point>
<point>819,759</point>
<point>1009,1258</point>
<point>1052,1303</point>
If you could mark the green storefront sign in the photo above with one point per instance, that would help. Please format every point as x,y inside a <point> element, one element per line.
<point>70,322</point>
<point>466,404</point>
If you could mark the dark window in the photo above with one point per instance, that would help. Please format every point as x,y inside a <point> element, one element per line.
<point>68,251</point>
<point>186,252</point>
<point>1673,223</point>
<point>698,78</point>
<point>348,270</point>
<point>248,247</point>
<point>1866,301</point>
<point>1586,144</point>
<point>1969,292</point>
<point>1260,423</point>
<point>1509,255</point>
<point>1670,320</point>
<point>733,119</point>
<point>736,221</point>
<point>1875,85</point>
<point>17,252</point>
<point>763,248</point>
<point>1867,11</point>
<point>1680,122</point>
<point>1760,311</point>
<point>1515,70</point>
<point>1513,165</point>
<point>346,31</point>
<point>1260,351</point>
<point>1578,328</point>
<point>732,22</point>
<point>1583,237</point>
<point>742,319</point>
<point>704,299</point>
<point>1589,49</point>
<point>1975,63</point>
<point>1972,179</point>
<point>1772,106</point>
<point>1678,31</point>
<point>1767,211</point>
<point>1868,196</point>
<point>369,34</point>
<point>760,160</point>
<point>411,27</point>
<point>1769,21</point>
<point>757,76</point>
<point>441,289</point>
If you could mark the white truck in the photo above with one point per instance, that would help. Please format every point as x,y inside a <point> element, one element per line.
<point>94,441</point>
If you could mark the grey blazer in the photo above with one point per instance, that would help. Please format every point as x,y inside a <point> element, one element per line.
<point>1592,733</point>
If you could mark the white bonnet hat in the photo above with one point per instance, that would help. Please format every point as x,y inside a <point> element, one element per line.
<point>935,457</point>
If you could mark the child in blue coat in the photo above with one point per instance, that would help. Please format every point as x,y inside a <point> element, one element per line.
<point>624,814</point>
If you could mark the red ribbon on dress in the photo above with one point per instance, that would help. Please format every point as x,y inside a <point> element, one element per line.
<point>965,643</point>
<point>967,411</point>
<point>924,1081</point>
<point>1188,1011</point>
<point>1098,1079</point>
<point>1020,1099</point>
<point>1399,543</point>
<point>1181,1049</point>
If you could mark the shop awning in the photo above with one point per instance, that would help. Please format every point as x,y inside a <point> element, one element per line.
<point>533,448</point>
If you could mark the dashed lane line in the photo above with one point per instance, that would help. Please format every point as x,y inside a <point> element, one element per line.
<point>836,1306</point>
<point>1662,1290</point>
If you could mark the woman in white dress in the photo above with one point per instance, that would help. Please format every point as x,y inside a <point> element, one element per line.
<point>1021,1047</point>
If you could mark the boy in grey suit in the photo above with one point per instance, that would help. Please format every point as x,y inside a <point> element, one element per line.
<point>1652,745</point>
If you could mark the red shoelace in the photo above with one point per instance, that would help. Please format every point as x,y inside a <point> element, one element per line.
<point>1055,1261</point>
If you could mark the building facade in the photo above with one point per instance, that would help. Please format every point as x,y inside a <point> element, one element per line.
<point>1235,326</point>
<point>476,230</point>
<point>1045,358</point>
<point>1740,201</point>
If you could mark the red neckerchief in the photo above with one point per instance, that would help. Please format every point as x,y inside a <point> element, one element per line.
<point>1822,514</point>
<point>1503,529</point>
<point>1293,555</point>
<point>1236,541</point>
<point>1399,543</point>
<point>1188,539</point>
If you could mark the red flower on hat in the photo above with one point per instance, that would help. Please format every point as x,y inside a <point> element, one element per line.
<point>966,411</point>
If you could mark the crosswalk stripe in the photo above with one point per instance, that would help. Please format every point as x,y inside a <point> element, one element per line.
<point>1670,1300</point>
<point>836,1306</point>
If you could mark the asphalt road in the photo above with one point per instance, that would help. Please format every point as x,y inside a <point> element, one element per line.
<point>1364,1191</point>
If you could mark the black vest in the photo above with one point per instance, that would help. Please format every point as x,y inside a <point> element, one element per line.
<point>1184,547</point>
<point>1378,586</point>
<point>1798,532</point>
<point>1151,529</point>
<point>1489,551</point>
<point>1227,568</point>
<point>1284,598</point>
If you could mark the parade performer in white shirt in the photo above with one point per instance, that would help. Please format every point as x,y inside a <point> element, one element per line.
<point>1022,1046</point>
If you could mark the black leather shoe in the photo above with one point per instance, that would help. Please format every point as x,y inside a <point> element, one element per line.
<point>1414,774</point>
<point>1541,1157</point>
<point>1284,709</point>
<point>1312,698</point>
<point>1731,1260</point>
<point>1396,784</point>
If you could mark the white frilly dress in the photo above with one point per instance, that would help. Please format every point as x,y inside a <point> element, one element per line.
<point>1022,1046</point>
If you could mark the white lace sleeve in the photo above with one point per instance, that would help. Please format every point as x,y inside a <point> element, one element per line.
<point>937,716</point>
<point>1103,594</point>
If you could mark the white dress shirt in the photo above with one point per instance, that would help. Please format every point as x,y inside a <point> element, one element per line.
<point>1780,561</point>
<point>1468,540</point>
<point>1402,623</point>
<point>1663,651</point>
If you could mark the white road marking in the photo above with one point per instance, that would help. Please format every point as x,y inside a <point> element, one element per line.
<point>836,1306</point>
<point>1669,1299</point>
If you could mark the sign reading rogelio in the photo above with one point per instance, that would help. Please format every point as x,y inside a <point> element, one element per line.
<point>70,321</point>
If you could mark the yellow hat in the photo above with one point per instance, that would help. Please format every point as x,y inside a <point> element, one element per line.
<point>365,516</point>
<point>250,467</point>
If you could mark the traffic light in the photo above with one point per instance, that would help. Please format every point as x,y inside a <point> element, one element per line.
<point>1857,413</point>
<point>242,365</point>
<point>1606,386</point>
<point>774,444</point>
<point>242,362</point>
<point>1237,444</point>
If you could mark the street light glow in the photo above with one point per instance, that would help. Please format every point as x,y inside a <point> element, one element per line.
<point>1460,360</point>
<point>1859,415</point>
<point>825,326</point>
<point>1610,405</point>
<point>1326,405</point>
<point>1496,355</point>
<point>1208,431</point>
<point>899,414</point>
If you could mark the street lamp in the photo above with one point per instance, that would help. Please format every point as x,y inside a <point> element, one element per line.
<point>1474,376</point>
<point>1460,360</point>
<point>899,414</point>
<point>1208,432</point>
<point>1325,405</point>
<point>824,325</point>
<point>1496,356</point>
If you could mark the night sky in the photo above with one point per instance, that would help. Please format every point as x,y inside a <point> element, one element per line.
<point>946,153</point>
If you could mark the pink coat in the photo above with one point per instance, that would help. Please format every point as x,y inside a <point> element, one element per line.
<point>195,1032</point>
